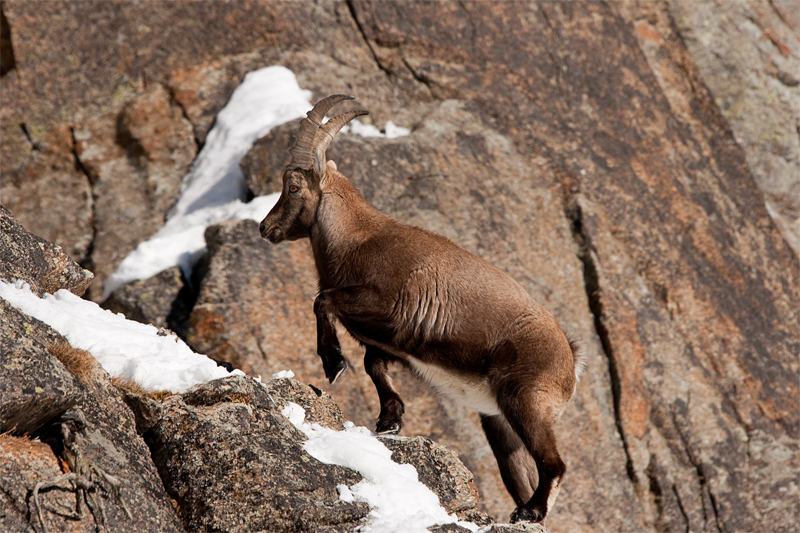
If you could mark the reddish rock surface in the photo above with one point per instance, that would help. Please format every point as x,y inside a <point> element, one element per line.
<point>748,52</point>
<point>81,424</point>
<point>136,159</point>
<point>51,196</point>
<point>596,152</point>
<point>23,464</point>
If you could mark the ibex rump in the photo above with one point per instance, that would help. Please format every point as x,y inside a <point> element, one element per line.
<point>413,296</point>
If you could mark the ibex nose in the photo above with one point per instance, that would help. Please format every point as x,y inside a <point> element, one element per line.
<point>265,232</point>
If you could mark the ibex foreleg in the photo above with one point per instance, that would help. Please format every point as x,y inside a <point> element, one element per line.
<point>328,347</point>
<point>390,419</point>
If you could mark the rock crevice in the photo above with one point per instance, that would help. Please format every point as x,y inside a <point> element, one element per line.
<point>591,280</point>
<point>632,165</point>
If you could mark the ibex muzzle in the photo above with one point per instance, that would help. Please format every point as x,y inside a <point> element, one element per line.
<point>413,296</point>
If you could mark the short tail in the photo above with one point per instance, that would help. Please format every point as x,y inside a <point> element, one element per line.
<point>578,355</point>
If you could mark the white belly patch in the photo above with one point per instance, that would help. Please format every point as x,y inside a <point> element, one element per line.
<point>473,393</point>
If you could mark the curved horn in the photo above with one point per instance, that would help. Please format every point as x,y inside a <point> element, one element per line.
<point>326,133</point>
<point>302,150</point>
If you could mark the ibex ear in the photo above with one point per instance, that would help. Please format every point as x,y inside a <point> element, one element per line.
<point>319,164</point>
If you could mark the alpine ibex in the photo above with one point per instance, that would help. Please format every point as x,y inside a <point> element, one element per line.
<point>412,296</point>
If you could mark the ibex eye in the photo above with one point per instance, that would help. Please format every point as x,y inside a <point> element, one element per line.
<point>293,188</point>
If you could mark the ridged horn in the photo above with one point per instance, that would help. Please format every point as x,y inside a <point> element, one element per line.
<point>303,149</point>
<point>326,133</point>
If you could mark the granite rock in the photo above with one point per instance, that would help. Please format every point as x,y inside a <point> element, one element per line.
<point>232,462</point>
<point>37,262</point>
<point>34,386</point>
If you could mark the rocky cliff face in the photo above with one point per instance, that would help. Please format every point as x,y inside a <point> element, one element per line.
<point>81,452</point>
<point>631,165</point>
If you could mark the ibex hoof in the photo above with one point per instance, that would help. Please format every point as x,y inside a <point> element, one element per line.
<point>334,373</point>
<point>523,514</point>
<point>387,428</point>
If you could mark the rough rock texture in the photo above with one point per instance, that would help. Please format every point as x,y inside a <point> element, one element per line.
<point>146,410</point>
<point>748,53</point>
<point>126,49</point>
<point>224,445</point>
<point>105,439</point>
<point>51,196</point>
<point>234,463</point>
<point>420,187</point>
<point>23,464</point>
<point>110,442</point>
<point>165,300</point>
<point>44,266</point>
<point>107,190</point>
<point>437,467</point>
<point>34,386</point>
<point>513,528</point>
<point>38,394</point>
<point>589,149</point>
<point>749,56</point>
<point>135,159</point>
<point>494,528</point>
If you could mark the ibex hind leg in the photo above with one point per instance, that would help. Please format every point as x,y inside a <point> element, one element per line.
<point>390,419</point>
<point>517,467</point>
<point>529,413</point>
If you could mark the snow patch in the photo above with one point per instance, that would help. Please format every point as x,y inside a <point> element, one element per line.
<point>345,494</point>
<point>125,349</point>
<point>214,189</point>
<point>283,374</point>
<point>390,131</point>
<point>399,502</point>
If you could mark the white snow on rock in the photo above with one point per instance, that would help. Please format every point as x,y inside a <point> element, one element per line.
<point>213,191</point>
<point>390,131</point>
<point>399,502</point>
<point>214,188</point>
<point>124,348</point>
<point>283,374</point>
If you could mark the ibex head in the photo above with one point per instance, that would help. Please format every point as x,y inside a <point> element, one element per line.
<point>295,212</point>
